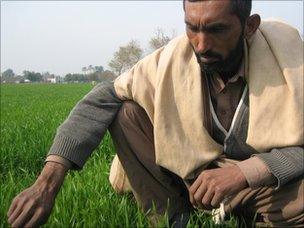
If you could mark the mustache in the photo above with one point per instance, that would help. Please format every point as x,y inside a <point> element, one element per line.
<point>209,54</point>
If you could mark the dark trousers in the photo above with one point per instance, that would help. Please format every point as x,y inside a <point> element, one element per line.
<point>152,185</point>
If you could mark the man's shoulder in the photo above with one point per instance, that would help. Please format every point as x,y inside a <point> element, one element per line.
<point>277,34</point>
<point>276,25</point>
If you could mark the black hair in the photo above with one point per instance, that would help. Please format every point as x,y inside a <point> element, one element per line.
<point>241,8</point>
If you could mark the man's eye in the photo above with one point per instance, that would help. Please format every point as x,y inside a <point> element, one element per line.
<point>192,29</point>
<point>217,30</point>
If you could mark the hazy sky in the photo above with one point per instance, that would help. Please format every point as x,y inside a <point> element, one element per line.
<point>62,37</point>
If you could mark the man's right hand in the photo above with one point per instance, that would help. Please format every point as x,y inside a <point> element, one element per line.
<point>33,206</point>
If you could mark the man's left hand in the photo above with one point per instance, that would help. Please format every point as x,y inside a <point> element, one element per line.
<point>212,186</point>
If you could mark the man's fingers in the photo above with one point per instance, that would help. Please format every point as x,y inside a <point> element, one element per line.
<point>199,194</point>
<point>192,189</point>
<point>36,220</point>
<point>24,216</point>
<point>191,198</point>
<point>12,208</point>
<point>217,199</point>
<point>15,213</point>
<point>195,185</point>
<point>206,201</point>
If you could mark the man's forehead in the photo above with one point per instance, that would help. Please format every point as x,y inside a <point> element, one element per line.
<point>205,12</point>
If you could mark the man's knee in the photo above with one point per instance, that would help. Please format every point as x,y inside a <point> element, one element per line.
<point>131,123</point>
<point>130,112</point>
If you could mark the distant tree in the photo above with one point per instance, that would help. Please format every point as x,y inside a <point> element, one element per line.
<point>126,57</point>
<point>98,69</point>
<point>68,78</point>
<point>8,74</point>
<point>84,70</point>
<point>160,39</point>
<point>90,69</point>
<point>75,78</point>
<point>32,76</point>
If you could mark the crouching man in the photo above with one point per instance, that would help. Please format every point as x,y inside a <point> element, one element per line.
<point>213,120</point>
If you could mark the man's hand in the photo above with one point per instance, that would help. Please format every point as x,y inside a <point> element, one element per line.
<point>33,206</point>
<point>214,185</point>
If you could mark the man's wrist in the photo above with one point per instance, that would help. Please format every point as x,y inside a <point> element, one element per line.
<point>58,159</point>
<point>51,177</point>
<point>255,172</point>
<point>241,177</point>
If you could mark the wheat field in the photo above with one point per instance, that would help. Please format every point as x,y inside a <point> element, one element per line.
<point>30,115</point>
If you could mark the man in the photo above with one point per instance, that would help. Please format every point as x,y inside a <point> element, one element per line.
<point>191,114</point>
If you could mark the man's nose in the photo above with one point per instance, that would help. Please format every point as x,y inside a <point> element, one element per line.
<point>203,43</point>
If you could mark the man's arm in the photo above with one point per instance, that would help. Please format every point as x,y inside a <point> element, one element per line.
<point>279,166</point>
<point>75,140</point>
<point>82,132</point>
<point>256,172</point>
<point>275,168</point>
<point>285,164</point>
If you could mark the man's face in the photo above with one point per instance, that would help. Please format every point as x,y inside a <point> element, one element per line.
<point>215,34</point>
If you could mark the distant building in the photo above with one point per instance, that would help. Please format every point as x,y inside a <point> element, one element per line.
<point>51,78</point>
<point>18,79</point>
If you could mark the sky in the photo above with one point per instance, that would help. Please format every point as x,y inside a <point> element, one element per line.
<point>61,37</point>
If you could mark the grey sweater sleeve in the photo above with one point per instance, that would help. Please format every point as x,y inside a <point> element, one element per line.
<point>285,163</point>
<point>83,130</point>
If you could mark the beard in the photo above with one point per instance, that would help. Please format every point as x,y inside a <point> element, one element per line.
<point>222,65</point>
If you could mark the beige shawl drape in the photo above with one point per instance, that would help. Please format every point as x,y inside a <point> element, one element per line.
<point>167,84</point>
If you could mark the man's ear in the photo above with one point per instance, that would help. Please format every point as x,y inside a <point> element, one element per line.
<point>252,24</point>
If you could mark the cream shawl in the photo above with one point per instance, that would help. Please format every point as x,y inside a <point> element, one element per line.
<point>167,84</point>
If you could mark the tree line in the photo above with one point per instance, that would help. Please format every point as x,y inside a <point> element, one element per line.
<point>8,76</point>
<point>124,58</point>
